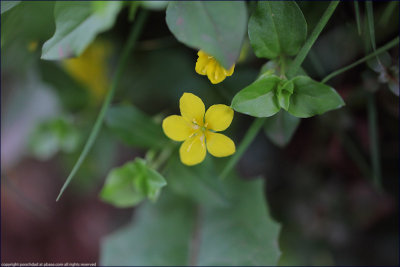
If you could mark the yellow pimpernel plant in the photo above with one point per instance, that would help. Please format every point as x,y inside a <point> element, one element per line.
<point>208,65</point>
<point>198,129</point>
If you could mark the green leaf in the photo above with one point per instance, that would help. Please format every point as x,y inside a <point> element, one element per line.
<point>218,28</point>
<point>128,185</point>
<point>277,28</point>
<point>177,232</point>
<point>154,5</point>
<point>53,136</point>
<point>258,99</point>
<point>311,98</point>
<point>134,127</point>
<point>28,22</point>
<point>285,90</point>
<point>195,182</point>
<point>7,5</point>
<point>281,127</point>
<point>77,25</point>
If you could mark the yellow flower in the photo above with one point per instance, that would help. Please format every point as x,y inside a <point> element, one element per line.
<point>90,69</point>
<point>208,65</point>
<point>198,128</point>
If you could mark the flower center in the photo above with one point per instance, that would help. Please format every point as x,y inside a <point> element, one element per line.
<point>199,129</point>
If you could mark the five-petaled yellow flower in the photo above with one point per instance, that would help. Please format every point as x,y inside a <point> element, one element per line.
<point>198,129</point>
<point>208,65</point>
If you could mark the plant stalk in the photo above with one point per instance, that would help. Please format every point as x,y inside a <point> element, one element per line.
<point>311,40</point>
<point>378,51</point>
<point>136,29</point>
<point>248,138</point>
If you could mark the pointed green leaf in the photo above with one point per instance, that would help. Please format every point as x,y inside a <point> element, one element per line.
<point>177,232</point>
<point>281,127</point>
<point>258,99</point>
<point>285,90</point>
<point>311,98</point>
<point>128,185</point>
<point>134,127</point>
<point>277,28</point>
<point>218,28</point>
<point>77,25</point>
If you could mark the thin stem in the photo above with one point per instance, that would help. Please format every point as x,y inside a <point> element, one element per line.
<point>311,40</point>
<point>358,20</point>
<point>371,27</point>
<point>378,51</point>
<point>136,29</point>
<point>162,158</point>
<point>387,13</point>
<point>374,141</point>
<point>248,138</point>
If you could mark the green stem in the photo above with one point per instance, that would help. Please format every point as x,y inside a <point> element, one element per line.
<point>371,27</point>
<point>374,142</point>
<point>162,158</point>
<point>248,138</point>
<point>387,13</point>
<point>136,29</point>
<point>311,40</point>
<point>358,21</point>
<point>378,51</point>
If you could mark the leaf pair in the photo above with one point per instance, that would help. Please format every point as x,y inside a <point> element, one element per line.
<point>301,96</point>
<point>128,185</point>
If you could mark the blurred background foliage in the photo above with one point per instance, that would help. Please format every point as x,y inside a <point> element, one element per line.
<point>315,181</point>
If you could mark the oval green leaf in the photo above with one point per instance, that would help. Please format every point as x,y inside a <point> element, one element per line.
<point>311,98</point>
<point>77,25</point>
<point>128,185</point>
<point>218,28</point>
<point>277,28</point>
<point>258,99</point>
<point>281,127</point>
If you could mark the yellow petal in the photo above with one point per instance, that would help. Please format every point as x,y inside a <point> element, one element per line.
<point>219,74</point>
<point>230,71</point>
<point>177,128</point>
<point>193,150</point>
<point>202,62</point>
<point>218,117</point>
<point>192,108</point>
<point>219,145</point>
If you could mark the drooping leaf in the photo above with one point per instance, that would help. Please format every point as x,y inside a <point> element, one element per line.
<point>175,231</point>
<point>218,28</point>
<point>258,99</point>
<point>77,24</point>
<point>281,127</point>
<point>277,28</point>
<point>128,185</point>
<point>311,98</point>
<point>25,24</point>
<point>134,127</point>
<point>7,5</point>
